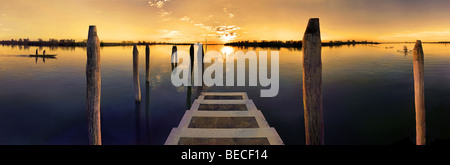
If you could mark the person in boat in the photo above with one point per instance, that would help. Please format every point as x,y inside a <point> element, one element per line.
<point>43,53</point>
<point>37,52</point>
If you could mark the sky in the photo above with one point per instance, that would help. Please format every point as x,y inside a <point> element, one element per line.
<point>220,21</point>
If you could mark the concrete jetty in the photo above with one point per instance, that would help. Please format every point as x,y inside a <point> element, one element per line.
<point>223,118</point>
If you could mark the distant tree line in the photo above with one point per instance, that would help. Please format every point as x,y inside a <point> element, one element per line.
<point>264,43</point>
<point>41,42</point>
<point>70,42</point>
<point>292,43</point>
<point>348,42</point>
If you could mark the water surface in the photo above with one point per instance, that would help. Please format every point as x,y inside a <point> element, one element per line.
<point>368,95</point>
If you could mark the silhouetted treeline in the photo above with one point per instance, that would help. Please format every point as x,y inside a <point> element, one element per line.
<point>292,43</point>
<point>70,42</point>
<point>348,42</point>
<point>277,43</point>
<point>40,42</point>
<point>265,43</point>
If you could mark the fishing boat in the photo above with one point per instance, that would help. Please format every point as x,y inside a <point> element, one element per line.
<point>46,56</point>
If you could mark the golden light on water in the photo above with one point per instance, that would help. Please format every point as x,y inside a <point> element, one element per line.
<point>227,51</point>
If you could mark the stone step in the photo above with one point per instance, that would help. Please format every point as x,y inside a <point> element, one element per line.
<point>269,133</point>
<point>186,120</point>
<point>227,105</point>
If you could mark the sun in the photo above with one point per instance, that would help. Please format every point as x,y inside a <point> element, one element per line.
<point>227,50</point>
<point>227,53</point>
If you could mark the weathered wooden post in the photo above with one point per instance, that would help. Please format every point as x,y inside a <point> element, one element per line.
<point>93,87</point>
<point>199,68</point>
<point>312,83</point>
<point>137,87</point>
<point>190,78</point>
<point>147,64</point>
<point>192,55</point>
<point>418,64</point>
<point>174,57</point>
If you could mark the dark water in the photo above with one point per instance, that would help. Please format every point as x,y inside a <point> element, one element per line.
<point>368,95</point>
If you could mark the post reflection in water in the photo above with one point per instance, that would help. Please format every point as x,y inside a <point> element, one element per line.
<point>143,128</point>
<point>147,113</point>
<point>138,123</point>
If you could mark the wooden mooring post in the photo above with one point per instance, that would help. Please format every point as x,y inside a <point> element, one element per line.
<point>93,87</point>
<point>147,64</point>
<point>190,78</point>
<point>191,66</point>
<point>174,57</point>
<point>418,64</point>
<point>312,84</point>
<point>137,87</point>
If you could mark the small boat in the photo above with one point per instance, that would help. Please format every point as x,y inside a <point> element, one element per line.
<point>46,56</point>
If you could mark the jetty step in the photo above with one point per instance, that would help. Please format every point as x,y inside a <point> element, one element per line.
<point>223,118</point>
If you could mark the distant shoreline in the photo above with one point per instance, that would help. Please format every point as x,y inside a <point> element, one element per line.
<point>439,42</point>
<point>295,44</point>
<point>71,43</point>
<point>273,44</point>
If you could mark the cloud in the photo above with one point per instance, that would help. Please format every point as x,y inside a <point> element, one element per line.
<point>185,18</point>
<point>170,34</point>
<point>164,13</point>
<point>227,32</point>
<point>230,15</point>
<point>224,32</point>
<point>158,3</point>
<point>208,35</point>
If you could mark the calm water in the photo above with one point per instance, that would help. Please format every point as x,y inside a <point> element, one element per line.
<point>368,95</point>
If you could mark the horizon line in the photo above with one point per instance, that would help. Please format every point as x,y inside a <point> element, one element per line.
<point>209,43</point>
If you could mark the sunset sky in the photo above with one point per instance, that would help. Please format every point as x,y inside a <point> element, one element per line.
<point>225,20</point>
